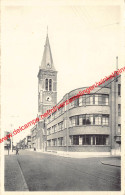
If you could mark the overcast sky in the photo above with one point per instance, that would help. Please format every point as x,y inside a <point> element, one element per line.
<point>84,40</point>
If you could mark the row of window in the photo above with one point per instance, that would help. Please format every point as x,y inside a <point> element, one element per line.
<point>94,99</point>
<point>89,140</point>
<point>89,119</point>
<point>58,127</point>
<point>84,119</point>
<point>55,142</point>
<point>81,140</point>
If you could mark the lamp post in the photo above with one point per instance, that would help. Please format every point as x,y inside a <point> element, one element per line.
<point>8,144</point>
<point>14,116</point>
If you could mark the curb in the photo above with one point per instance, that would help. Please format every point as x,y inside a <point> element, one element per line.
<point>23,179</point>
<point>110,164</point>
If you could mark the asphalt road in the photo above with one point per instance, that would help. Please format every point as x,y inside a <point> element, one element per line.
<point>47,172</point>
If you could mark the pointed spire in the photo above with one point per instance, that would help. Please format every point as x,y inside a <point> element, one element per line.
<point>47,60</point>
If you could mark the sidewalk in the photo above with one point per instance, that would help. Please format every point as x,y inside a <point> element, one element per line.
<point>116,161</point>
<point>77,154</point>
<point>14,179</point>
<point>10,152</point>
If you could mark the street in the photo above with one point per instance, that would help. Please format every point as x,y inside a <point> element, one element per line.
<point>47,172</point>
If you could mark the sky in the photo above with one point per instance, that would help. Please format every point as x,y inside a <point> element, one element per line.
<point>84,40</point>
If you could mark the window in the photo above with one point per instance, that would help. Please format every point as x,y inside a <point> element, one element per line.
<point>119,128</point>
<point>60,141</point>
<point>52,131</point>
<point>103,99</point>
<point>61,110</point>
<point>84,100</point>
<point>91,99</point>
<point>88,140</point>
<point>105,119</point>
<point>54,115</point>
<point>86,119</point>
<point>119,109</point>
<point>77,120</point>
<point>119,89</point>
<point>95,99</point>
<point>50,84</point>
<point>80,101</point>
<point>49,131</point>
<point>54,128</point>
<point>73,121</point>
<point>49,143</point>
<point>97,119</point>
<point>46,84</point>
<point>75,140</point>
<point>60,126</point>
<point>49,119</point>
<point>76,102</point>
<point>87,99</point>
<point>54,142</point>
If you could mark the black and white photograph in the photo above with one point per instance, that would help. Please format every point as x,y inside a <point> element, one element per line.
<point>62,96</point>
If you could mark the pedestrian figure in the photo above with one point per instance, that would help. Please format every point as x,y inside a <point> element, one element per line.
<point>17,151</point>
<point>34,149</point>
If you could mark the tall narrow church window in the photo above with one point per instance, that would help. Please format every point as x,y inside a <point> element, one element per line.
<point>119,109</point>
<point>119,89</point>
<point>50,84</point>
<point>46,84</point>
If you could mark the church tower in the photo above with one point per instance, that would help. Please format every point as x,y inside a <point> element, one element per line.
<point>47,81</point>
<point>47,93</point>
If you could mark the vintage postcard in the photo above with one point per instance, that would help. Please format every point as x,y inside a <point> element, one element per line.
<point>62,96</point>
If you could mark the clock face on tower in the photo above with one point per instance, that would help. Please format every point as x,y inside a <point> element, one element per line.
<point>48,98</point>
<point>48,65</point>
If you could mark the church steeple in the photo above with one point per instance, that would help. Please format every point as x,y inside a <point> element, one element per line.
<point>47,60</point>
<point>47,81</point>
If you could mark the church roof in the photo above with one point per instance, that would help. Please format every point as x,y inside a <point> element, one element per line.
<point>47,60</point>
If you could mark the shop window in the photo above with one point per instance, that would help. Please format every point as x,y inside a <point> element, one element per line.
<point>88,140</point>
<point>60,141</point>
<point>75,140</point>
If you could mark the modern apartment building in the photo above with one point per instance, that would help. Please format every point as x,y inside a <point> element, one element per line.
<point>91,123</point>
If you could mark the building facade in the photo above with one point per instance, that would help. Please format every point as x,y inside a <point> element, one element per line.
<point>92,123</point>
